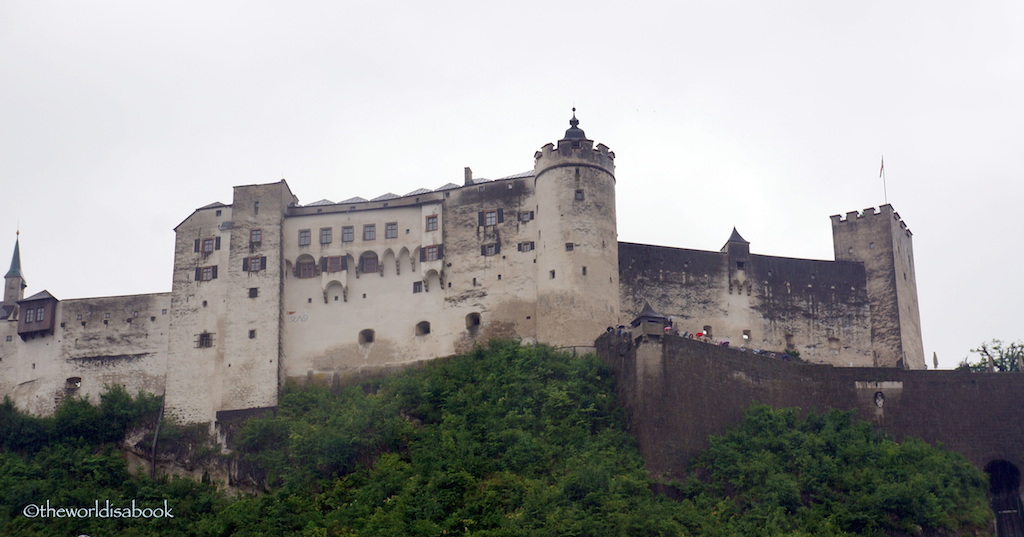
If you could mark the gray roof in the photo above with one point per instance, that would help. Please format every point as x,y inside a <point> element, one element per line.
<point>388,196</point>
<point>321,202</point>
<point>419,191</point>
<point>356,199</point>
<point>38,296</point>
<point>448,186</point>
<point>518,175</point>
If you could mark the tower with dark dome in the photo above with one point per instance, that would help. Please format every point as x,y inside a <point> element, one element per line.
<point>577,242</point>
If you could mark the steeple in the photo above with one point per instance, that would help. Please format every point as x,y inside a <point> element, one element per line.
<point>16,259</point>
<point>14,282</point>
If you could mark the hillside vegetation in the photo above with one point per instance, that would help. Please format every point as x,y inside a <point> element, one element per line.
<point>509,441</point>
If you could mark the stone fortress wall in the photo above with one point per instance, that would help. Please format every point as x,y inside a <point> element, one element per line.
<point>267,291</point>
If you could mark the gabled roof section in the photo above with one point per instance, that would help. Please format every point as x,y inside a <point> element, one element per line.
<point>448,186</point>
<point>356,199</point>
<point>419,191</point>
<point>520,175</point>
<point>384,197</point>
<point>41,295</point>
<point>214,205</point>
<point>321,202</point>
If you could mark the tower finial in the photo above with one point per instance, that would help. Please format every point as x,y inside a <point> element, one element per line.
<point>574,132</point>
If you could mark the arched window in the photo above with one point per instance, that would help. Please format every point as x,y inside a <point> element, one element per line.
<point>305,266</point>
<point>368,262</point>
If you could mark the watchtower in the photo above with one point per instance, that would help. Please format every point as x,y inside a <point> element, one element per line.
<point>881,240</point>
<point>577,242</point>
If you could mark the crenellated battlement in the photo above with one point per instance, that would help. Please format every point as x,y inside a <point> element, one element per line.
<point>883,210</point>
<point>580,151</point>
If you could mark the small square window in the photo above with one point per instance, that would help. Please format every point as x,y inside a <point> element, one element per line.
<point>579,195</point>
<point>205,340</point>
<point>8,338</point>
<point>217,213</point>
<point>417,287</point>
<point>569,247</point>
<point>106,315</point>
<point>305,236</point>
<point>432,222</point>
<point>490,218</point>
<point>326,235</point>
<point>391,230</point>
<point>78,317</point>
<point>252,334</point>
<point>255,236</point>
<point>348,234</point>
<point>369,232</point>
<point>254,292</point>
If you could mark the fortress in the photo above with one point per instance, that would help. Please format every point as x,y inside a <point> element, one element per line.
<point>268,291</point>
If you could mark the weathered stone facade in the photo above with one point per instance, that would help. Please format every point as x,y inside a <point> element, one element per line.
<point>267,291</point>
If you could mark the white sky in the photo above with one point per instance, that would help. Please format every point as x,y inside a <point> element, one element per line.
<point>117,119</point>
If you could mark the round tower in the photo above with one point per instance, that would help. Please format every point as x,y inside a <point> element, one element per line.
<point>577,242</point>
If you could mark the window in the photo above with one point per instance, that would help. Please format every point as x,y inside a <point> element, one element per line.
<point>254,264</point>
<point>552,274</point>
<point>579,195</point>
<point>472,321</point>
<point>255,237</point>
<point>254,292</point>
<point>326,235</point>
<point>569,247</point>
<point>252,334</point>
<point>305,269</point>
<point>369,262</point>
<point>417,287</point>
<point>526,216</point>
<point>366,336</point>
<point>391,230</point>
<point>30,315</point>
<point>304,237</point>
<point>348,234</point>
<point>432,222</point>
<point>431,253</point>
<point>490,249</point>
<point>40,314</point>
<point>336,263</point>
<point>205,340</point>
<point>207,246</point>
<point>369,232</point>
<point>525,246</point>
<point>707,330</point>
<point>490,218</point>
<point>422,328</point>
<point>205,274</point>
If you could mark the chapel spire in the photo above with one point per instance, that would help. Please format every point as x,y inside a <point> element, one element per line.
<point>14,282</point>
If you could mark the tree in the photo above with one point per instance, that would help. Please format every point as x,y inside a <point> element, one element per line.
<point>996,356</point>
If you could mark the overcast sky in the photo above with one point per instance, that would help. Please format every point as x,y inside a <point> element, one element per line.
<point>118,119</point>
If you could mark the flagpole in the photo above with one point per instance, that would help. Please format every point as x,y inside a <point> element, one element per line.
<point>881,173</point>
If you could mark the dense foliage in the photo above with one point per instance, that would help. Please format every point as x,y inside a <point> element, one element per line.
<point>778,474</point>
<point>996,357</point>
<point>502,442</point>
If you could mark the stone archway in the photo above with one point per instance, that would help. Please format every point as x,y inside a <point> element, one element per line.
<point>1004,490</point>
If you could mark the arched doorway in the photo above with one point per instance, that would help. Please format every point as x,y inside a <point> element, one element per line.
<point>1004,489</point>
